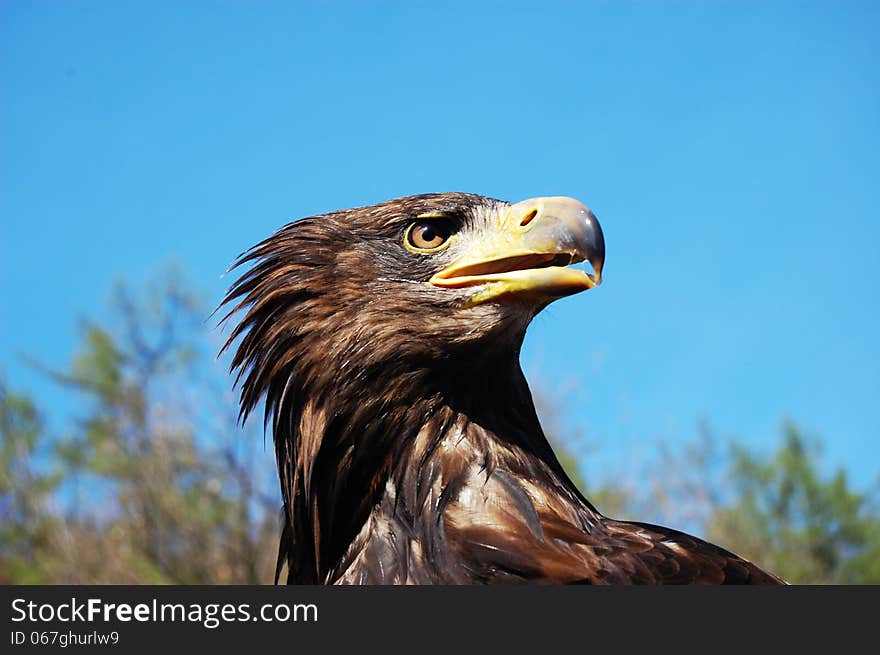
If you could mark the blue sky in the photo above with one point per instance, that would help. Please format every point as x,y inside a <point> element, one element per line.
<point>730,151</point>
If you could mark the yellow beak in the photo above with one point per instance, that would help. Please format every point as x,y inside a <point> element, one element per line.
<point>527,250</point>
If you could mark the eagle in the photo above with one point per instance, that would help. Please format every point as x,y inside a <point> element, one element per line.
<point>385,341</point>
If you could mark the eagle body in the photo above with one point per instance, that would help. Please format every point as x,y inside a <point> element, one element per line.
<point>385,341</point>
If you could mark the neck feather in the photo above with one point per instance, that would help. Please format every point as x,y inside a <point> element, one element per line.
<point>339,448</point>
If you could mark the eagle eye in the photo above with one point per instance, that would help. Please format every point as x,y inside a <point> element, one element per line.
<point>427,235</point>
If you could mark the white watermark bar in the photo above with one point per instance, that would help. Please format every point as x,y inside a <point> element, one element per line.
<point>320,619</point>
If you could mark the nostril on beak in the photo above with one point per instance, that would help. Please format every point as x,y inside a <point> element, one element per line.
<point>529,217</point>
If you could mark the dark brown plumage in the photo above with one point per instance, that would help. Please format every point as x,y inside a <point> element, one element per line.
<point>407,443</point>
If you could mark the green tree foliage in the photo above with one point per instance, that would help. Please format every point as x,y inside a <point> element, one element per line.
<point>26,521</point>
<point>804,526</point>
<point>780,510</point>
<point>153,481</point>
<point>152,488</point>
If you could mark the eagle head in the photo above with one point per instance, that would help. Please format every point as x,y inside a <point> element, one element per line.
<point>416,280</point>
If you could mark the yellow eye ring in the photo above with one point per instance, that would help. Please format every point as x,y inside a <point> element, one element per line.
<point>427,236</point>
